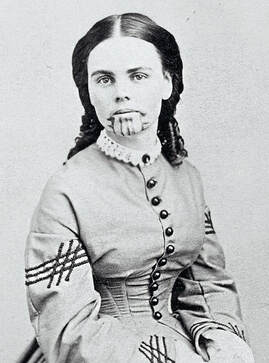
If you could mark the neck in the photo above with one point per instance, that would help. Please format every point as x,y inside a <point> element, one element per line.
<point>142,141</point>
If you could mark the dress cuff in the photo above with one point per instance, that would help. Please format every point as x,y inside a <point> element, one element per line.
<point>198,329</point>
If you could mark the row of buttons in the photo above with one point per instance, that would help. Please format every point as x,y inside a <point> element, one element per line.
<point>162,261</point>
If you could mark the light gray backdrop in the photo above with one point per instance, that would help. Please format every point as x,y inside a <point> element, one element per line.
<point>223,117</point>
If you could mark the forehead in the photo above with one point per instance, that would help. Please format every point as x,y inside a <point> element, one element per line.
<point>118,53</point>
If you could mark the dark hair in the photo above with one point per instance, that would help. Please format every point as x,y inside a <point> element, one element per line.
<point>142,27</point>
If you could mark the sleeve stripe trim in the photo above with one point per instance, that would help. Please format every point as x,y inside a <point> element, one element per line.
<point>53,259</point>
<point>40,270</point>
<point>196,328</point>
<point>74,257</point>
<point>30,282</point>
<point>209,229</point>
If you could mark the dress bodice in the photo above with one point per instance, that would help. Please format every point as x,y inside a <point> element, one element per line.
<point>143,227</point>
<point>130,297</point>
<point>109,243</point>
<point>128,300</point>
<point>127,223</point>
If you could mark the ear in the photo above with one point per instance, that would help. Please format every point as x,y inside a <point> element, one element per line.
<point>167,85</point>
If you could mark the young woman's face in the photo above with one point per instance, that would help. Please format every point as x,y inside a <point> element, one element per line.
<point>127,84</point>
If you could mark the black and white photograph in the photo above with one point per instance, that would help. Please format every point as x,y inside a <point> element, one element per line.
<point>134,180</point>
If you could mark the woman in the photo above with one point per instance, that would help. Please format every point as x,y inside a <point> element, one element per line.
<point>122,260</point>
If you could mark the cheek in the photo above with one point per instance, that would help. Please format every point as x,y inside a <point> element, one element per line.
<point>153,92</point>
<point>99,100</point>
<point>152,98</point>
<point>94,97</point>
<point>99,106</point>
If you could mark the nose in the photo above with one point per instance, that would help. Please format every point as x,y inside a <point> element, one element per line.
<point>122,91</point>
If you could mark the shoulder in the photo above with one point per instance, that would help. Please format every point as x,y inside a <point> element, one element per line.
<point>78,171</point>
<point>192,171</point>
<point>74,177</point>
<point>76,174</point>
<point>189,178</point>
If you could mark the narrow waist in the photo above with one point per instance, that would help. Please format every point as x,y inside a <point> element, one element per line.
<point>120,297</point>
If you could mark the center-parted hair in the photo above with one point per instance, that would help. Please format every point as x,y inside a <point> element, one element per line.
<point>138,26</point>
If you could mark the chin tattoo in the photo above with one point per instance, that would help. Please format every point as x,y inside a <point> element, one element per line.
<point>127,125</point>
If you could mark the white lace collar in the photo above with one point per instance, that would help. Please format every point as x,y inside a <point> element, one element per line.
<point>126,154</point>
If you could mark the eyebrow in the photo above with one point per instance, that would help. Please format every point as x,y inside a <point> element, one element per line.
<point>131,70</point>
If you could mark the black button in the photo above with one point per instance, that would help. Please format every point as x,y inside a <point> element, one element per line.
<point>157,315</point>
<point>154,286</point>
<point>169,231</point>
<point>145,158</point>
<point>151,183</point>
<point>162,261</point>
<point>156,275</point>
<point>163,214</point>
<point>170,249</point>
<point>155,200</point>
<point>154,301</point>
<point>180,285</point>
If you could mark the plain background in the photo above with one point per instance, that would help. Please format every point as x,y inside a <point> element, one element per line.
<point>223,117</point>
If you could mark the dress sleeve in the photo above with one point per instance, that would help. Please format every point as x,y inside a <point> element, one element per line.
<point>63,303</point>
<point>204,295</point>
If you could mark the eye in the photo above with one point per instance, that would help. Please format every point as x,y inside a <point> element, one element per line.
<point>139,76</point>
<point>104,81</point>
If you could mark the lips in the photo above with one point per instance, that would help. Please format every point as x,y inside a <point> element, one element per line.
<point>118,112</point>
<point>123,111</point>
